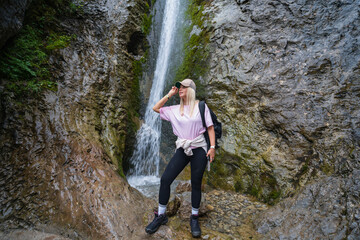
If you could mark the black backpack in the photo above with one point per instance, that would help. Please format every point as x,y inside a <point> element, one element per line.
<point>217,125</point>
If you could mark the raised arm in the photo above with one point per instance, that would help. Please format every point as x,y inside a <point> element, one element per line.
<point>162,101</point>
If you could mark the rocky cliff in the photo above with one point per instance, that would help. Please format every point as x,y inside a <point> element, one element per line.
<point>62,151</point>
<point>284,80</point>
<point>12,15</point>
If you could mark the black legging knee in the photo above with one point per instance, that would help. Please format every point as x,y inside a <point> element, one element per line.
<point>177,163</point>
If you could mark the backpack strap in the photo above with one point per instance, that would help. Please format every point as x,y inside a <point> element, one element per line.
<point>202,112</point>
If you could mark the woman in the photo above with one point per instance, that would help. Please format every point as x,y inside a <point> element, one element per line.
<point>191,147</point>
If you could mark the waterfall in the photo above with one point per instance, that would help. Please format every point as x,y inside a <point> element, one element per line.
<point>145,158</point>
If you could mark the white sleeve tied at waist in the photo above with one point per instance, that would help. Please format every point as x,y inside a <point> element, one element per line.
<point>186,144</point>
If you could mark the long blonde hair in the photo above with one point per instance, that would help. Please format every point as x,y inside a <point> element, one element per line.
<point>190,100</point>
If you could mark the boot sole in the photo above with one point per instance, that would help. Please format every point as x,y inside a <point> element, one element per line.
<point>150,231</point>
<point>196,234</point>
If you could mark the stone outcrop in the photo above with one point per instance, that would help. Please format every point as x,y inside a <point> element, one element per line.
<point>327,208</point>
<point>283,79</point>
<point>12,14</point>
<point>61,152</point>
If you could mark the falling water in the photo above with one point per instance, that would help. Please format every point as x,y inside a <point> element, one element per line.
<point>146,155</point>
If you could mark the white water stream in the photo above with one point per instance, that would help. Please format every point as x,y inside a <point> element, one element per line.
<point>145,174</point>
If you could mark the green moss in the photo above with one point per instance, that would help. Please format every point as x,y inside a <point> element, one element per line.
<point>24,59</point>
<point>219,175</point>
<point>195,62</point>
<point>120,169</point>
<point>264,188</point>
<point>254,190</point>
<point>327,168</point>
<point>146,20</point>
<point>133,107</point>
<point>146,23</point>
<point>273,197</point>
<point>137,69</point>
<point>270,192</point>
<point>233,172</point>
<point>239,185</point>
<point>56,41</point>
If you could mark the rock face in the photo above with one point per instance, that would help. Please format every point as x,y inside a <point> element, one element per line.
<point>61,153</point>
<point>284,80</point>
<point>328,208</point>
<point>11,18</point>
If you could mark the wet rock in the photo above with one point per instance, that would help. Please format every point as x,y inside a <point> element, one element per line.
<point>31,235</point>
<point>164,232</point>
<point>323,209</point>
<point>282,81</point>
<point>231,217</point>
<point>232,213</point>
<point>12,14</point>
<point>173,206</point>
<point>185,205</point>
<point>183,187</point>
<point>61,152</point>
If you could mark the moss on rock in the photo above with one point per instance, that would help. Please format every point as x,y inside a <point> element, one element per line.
<point>233,172</point>
<point>24,60</point>
<point>195,62</point>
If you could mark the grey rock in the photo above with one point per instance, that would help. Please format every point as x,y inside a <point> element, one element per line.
<point>12,14</point>
<point>316,212</point>
<point>60,151</point>
<point>283,80</point>
<point>184,211</point>
<point>31,235</point>
<point>277,79</point>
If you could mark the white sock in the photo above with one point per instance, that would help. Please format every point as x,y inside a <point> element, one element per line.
<point>194,211</point>
<point>162,209</point>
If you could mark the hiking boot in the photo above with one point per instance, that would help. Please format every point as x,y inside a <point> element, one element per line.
<point>195,226</point>
<point>156,223</point>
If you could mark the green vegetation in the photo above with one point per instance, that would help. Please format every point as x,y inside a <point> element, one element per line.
<point>327,168</point>
<point>134,103</point>
<point>195,62</point>
<point>232,172</point>
<point>133,111</point>
<point>146,23</point>
<point>146,20</point>
<point>56,41</point>
<point>24,59</point>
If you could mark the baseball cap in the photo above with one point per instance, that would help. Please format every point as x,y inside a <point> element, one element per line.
<point>186,83</point>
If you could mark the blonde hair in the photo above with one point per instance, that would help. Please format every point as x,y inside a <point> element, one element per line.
<point>190,100</point>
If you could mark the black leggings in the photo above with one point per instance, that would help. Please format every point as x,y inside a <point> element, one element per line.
<point>177,163</point>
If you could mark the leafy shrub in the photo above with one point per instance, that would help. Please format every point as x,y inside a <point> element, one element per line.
<point>24,59</point>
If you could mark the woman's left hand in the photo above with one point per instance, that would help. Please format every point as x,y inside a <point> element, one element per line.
<point>211,154</point>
